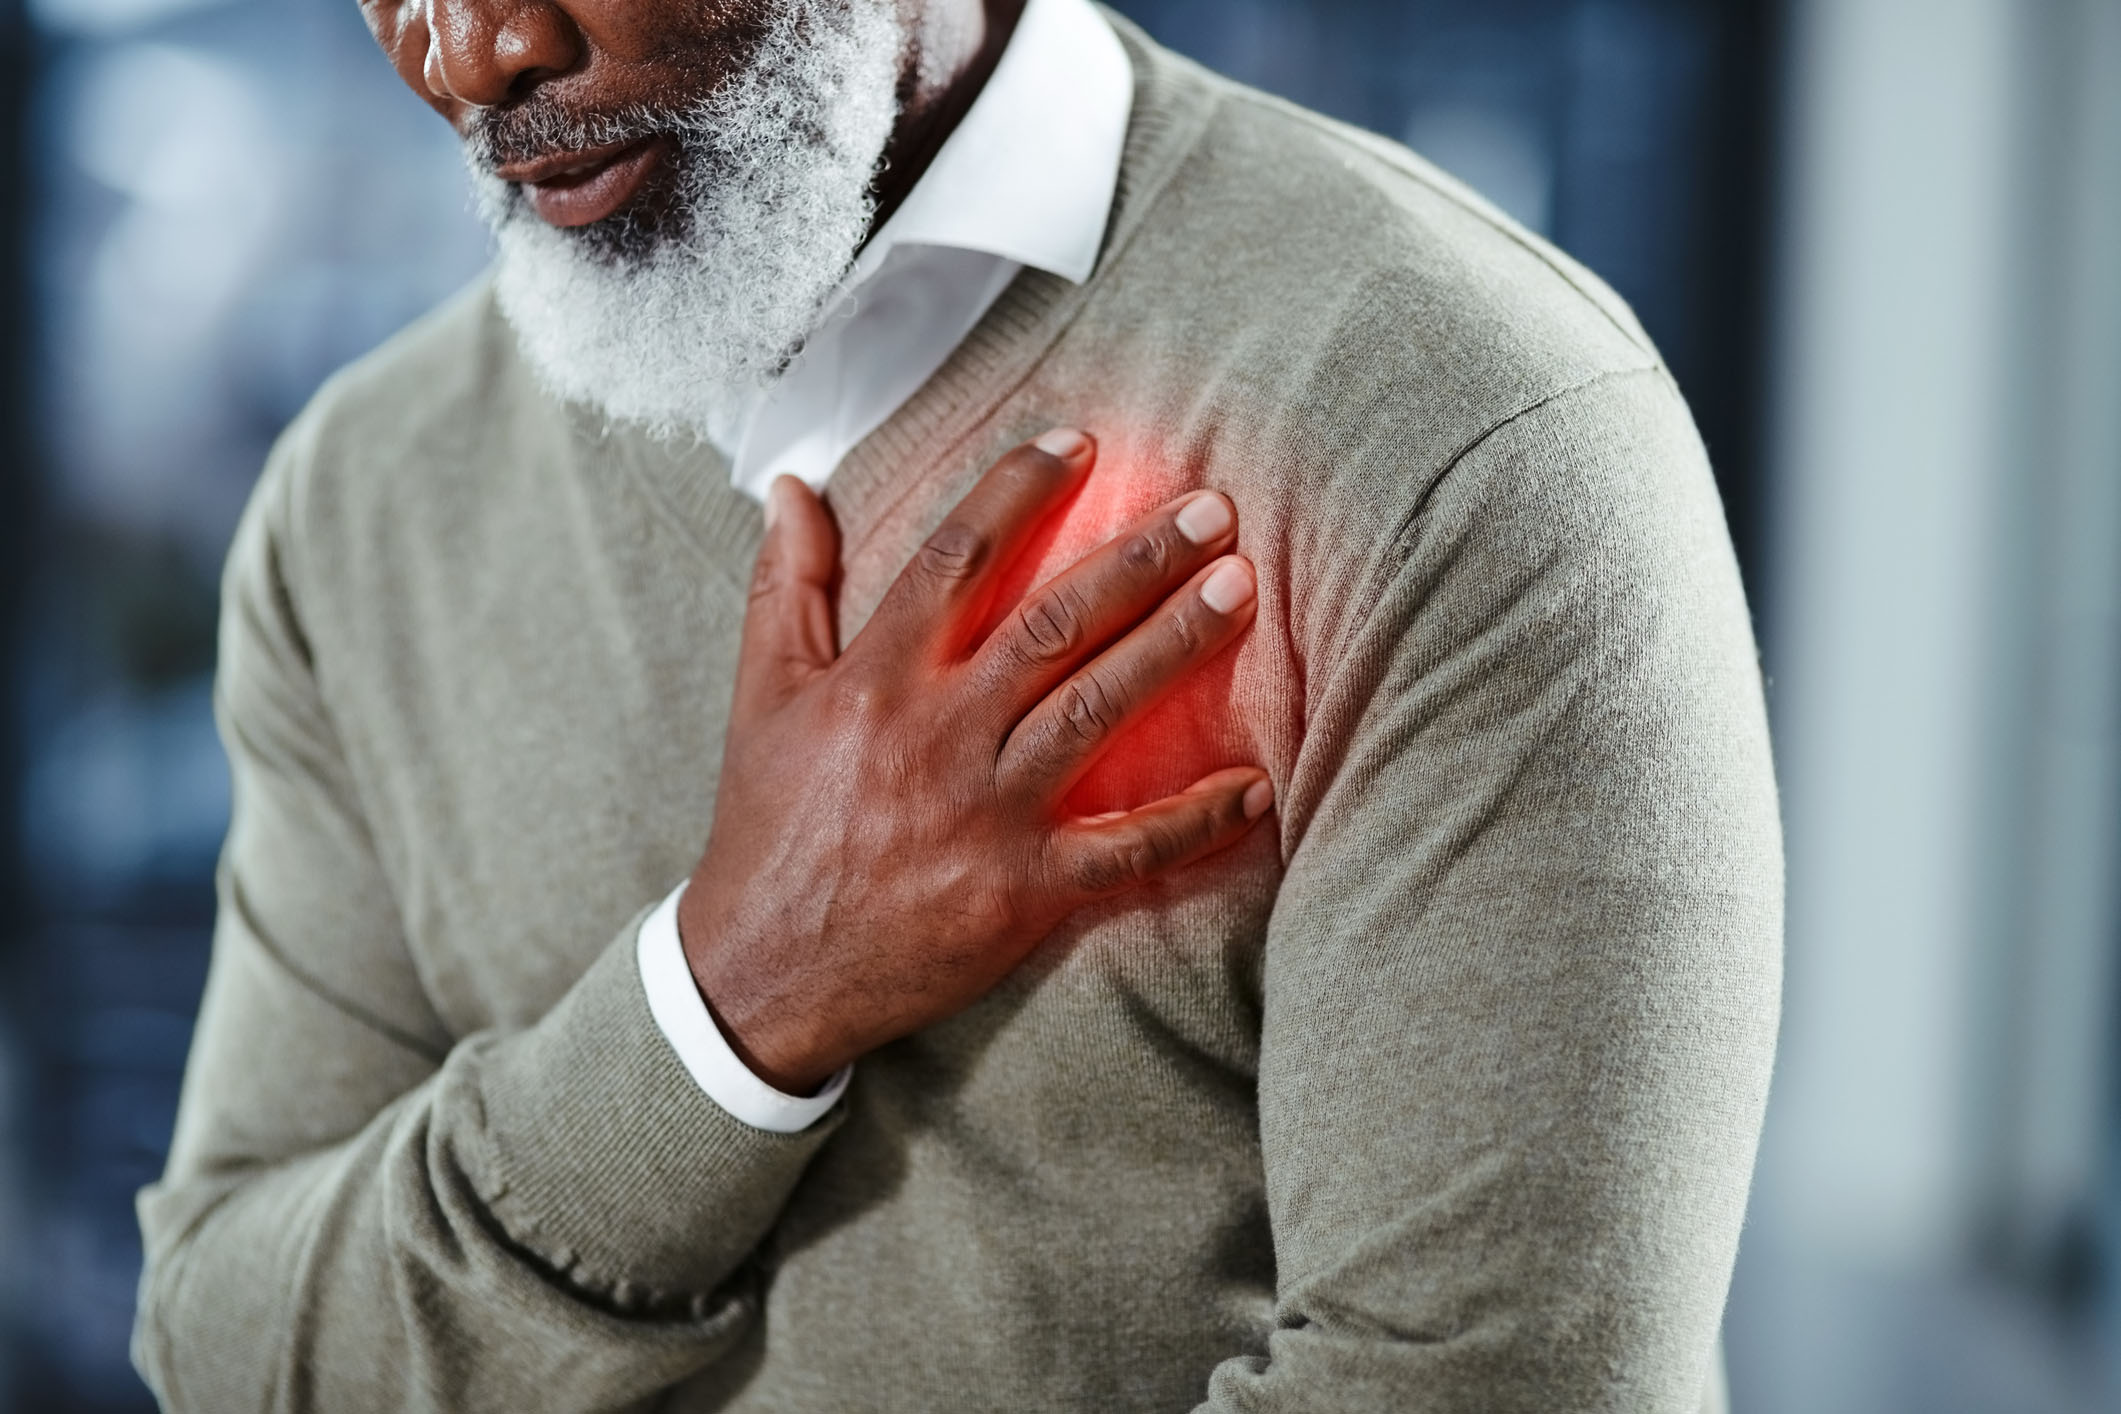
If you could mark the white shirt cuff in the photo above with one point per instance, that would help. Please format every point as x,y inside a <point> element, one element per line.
<point>681,1015</point>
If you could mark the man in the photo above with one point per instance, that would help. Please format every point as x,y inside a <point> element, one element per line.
<point>1120,973</point>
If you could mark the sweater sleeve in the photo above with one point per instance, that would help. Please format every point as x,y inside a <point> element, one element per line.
<point>1522,978</point>
<point>363,1212</point>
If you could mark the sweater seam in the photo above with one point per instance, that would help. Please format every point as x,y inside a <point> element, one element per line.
<point>1386,566</point>
<point>1506,421</point>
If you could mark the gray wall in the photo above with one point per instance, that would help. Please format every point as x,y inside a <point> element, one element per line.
<point>1943,632</point>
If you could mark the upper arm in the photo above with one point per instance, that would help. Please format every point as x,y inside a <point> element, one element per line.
<point>314,1017</point>
<point>1522,976</point>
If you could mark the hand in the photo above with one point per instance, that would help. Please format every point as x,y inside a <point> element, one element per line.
<point>889,840</point>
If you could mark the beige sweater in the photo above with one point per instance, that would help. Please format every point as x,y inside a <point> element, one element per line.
<point>1439,1094</point>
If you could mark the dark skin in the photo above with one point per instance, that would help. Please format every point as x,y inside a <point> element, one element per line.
<point>596,56</point>
<point>889,838</point>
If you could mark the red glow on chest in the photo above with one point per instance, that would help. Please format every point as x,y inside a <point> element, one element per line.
<point>1191,730</point>
<point>1108,502</point>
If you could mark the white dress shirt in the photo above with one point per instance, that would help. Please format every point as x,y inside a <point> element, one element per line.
<point>1027,178</point>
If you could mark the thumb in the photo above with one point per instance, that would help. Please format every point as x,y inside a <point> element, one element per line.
<point>789,633</point>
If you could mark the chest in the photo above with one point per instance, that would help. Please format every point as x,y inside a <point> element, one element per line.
<point>553,749</point>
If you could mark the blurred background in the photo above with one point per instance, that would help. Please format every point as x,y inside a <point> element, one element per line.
<point>1879,242</point>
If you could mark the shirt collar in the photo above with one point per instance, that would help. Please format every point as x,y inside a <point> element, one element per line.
<point>1030,171</point>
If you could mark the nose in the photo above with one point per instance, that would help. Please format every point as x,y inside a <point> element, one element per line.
<point>485,52</point>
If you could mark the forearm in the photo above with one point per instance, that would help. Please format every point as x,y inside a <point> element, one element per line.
<point>554,1218</point>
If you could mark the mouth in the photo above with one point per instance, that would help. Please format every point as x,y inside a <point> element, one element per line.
<point>577,188</point>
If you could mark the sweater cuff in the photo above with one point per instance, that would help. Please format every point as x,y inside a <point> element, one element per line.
<point>607,1161</point>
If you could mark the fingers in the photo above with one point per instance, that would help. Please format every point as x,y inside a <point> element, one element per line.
<point>944,587</point>
<point>1109,854</point>
<point>1067,730</point>
<point>1084,607</point>
<point>789,635</point>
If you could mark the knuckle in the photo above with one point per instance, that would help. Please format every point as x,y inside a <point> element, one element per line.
<point>765,576</point>
<point>1145,857</point>
<point>1196,830</point>
<point>1049,628</point>
<point>1089,708</point>
<point>1185,631</point>
<point>954,552</point>
<point>1122,865</point>
<point>856,698</point>
<point>1145,555</point>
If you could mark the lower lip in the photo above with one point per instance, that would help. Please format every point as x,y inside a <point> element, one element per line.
<point>583,197</point>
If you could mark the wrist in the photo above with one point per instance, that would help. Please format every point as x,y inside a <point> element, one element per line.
<point>775,1040</point>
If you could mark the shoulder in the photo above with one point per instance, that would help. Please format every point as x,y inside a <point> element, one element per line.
<point>431,396</point>
<point>405,446</point>
<point>1352,261</point>
<point>1374,359</point>
<point>418,424</point>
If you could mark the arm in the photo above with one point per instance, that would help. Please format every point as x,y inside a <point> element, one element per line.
<point>1522,977</point>
<point>363,1211</point>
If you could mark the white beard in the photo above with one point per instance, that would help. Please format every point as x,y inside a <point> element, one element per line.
<point>679,329</point>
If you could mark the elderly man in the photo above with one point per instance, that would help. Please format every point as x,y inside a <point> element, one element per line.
<point>971,939</point>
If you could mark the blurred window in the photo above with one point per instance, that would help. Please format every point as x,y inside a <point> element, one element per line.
<point>232,199</point>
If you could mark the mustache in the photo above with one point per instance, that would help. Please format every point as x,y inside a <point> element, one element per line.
<point>539,127</point>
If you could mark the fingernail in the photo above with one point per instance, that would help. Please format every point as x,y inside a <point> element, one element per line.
<point>1205,518</point>
<point>773,504</point>
<point>1063,442</point>
<point>1259,798</point>
<point>1229,588</point>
